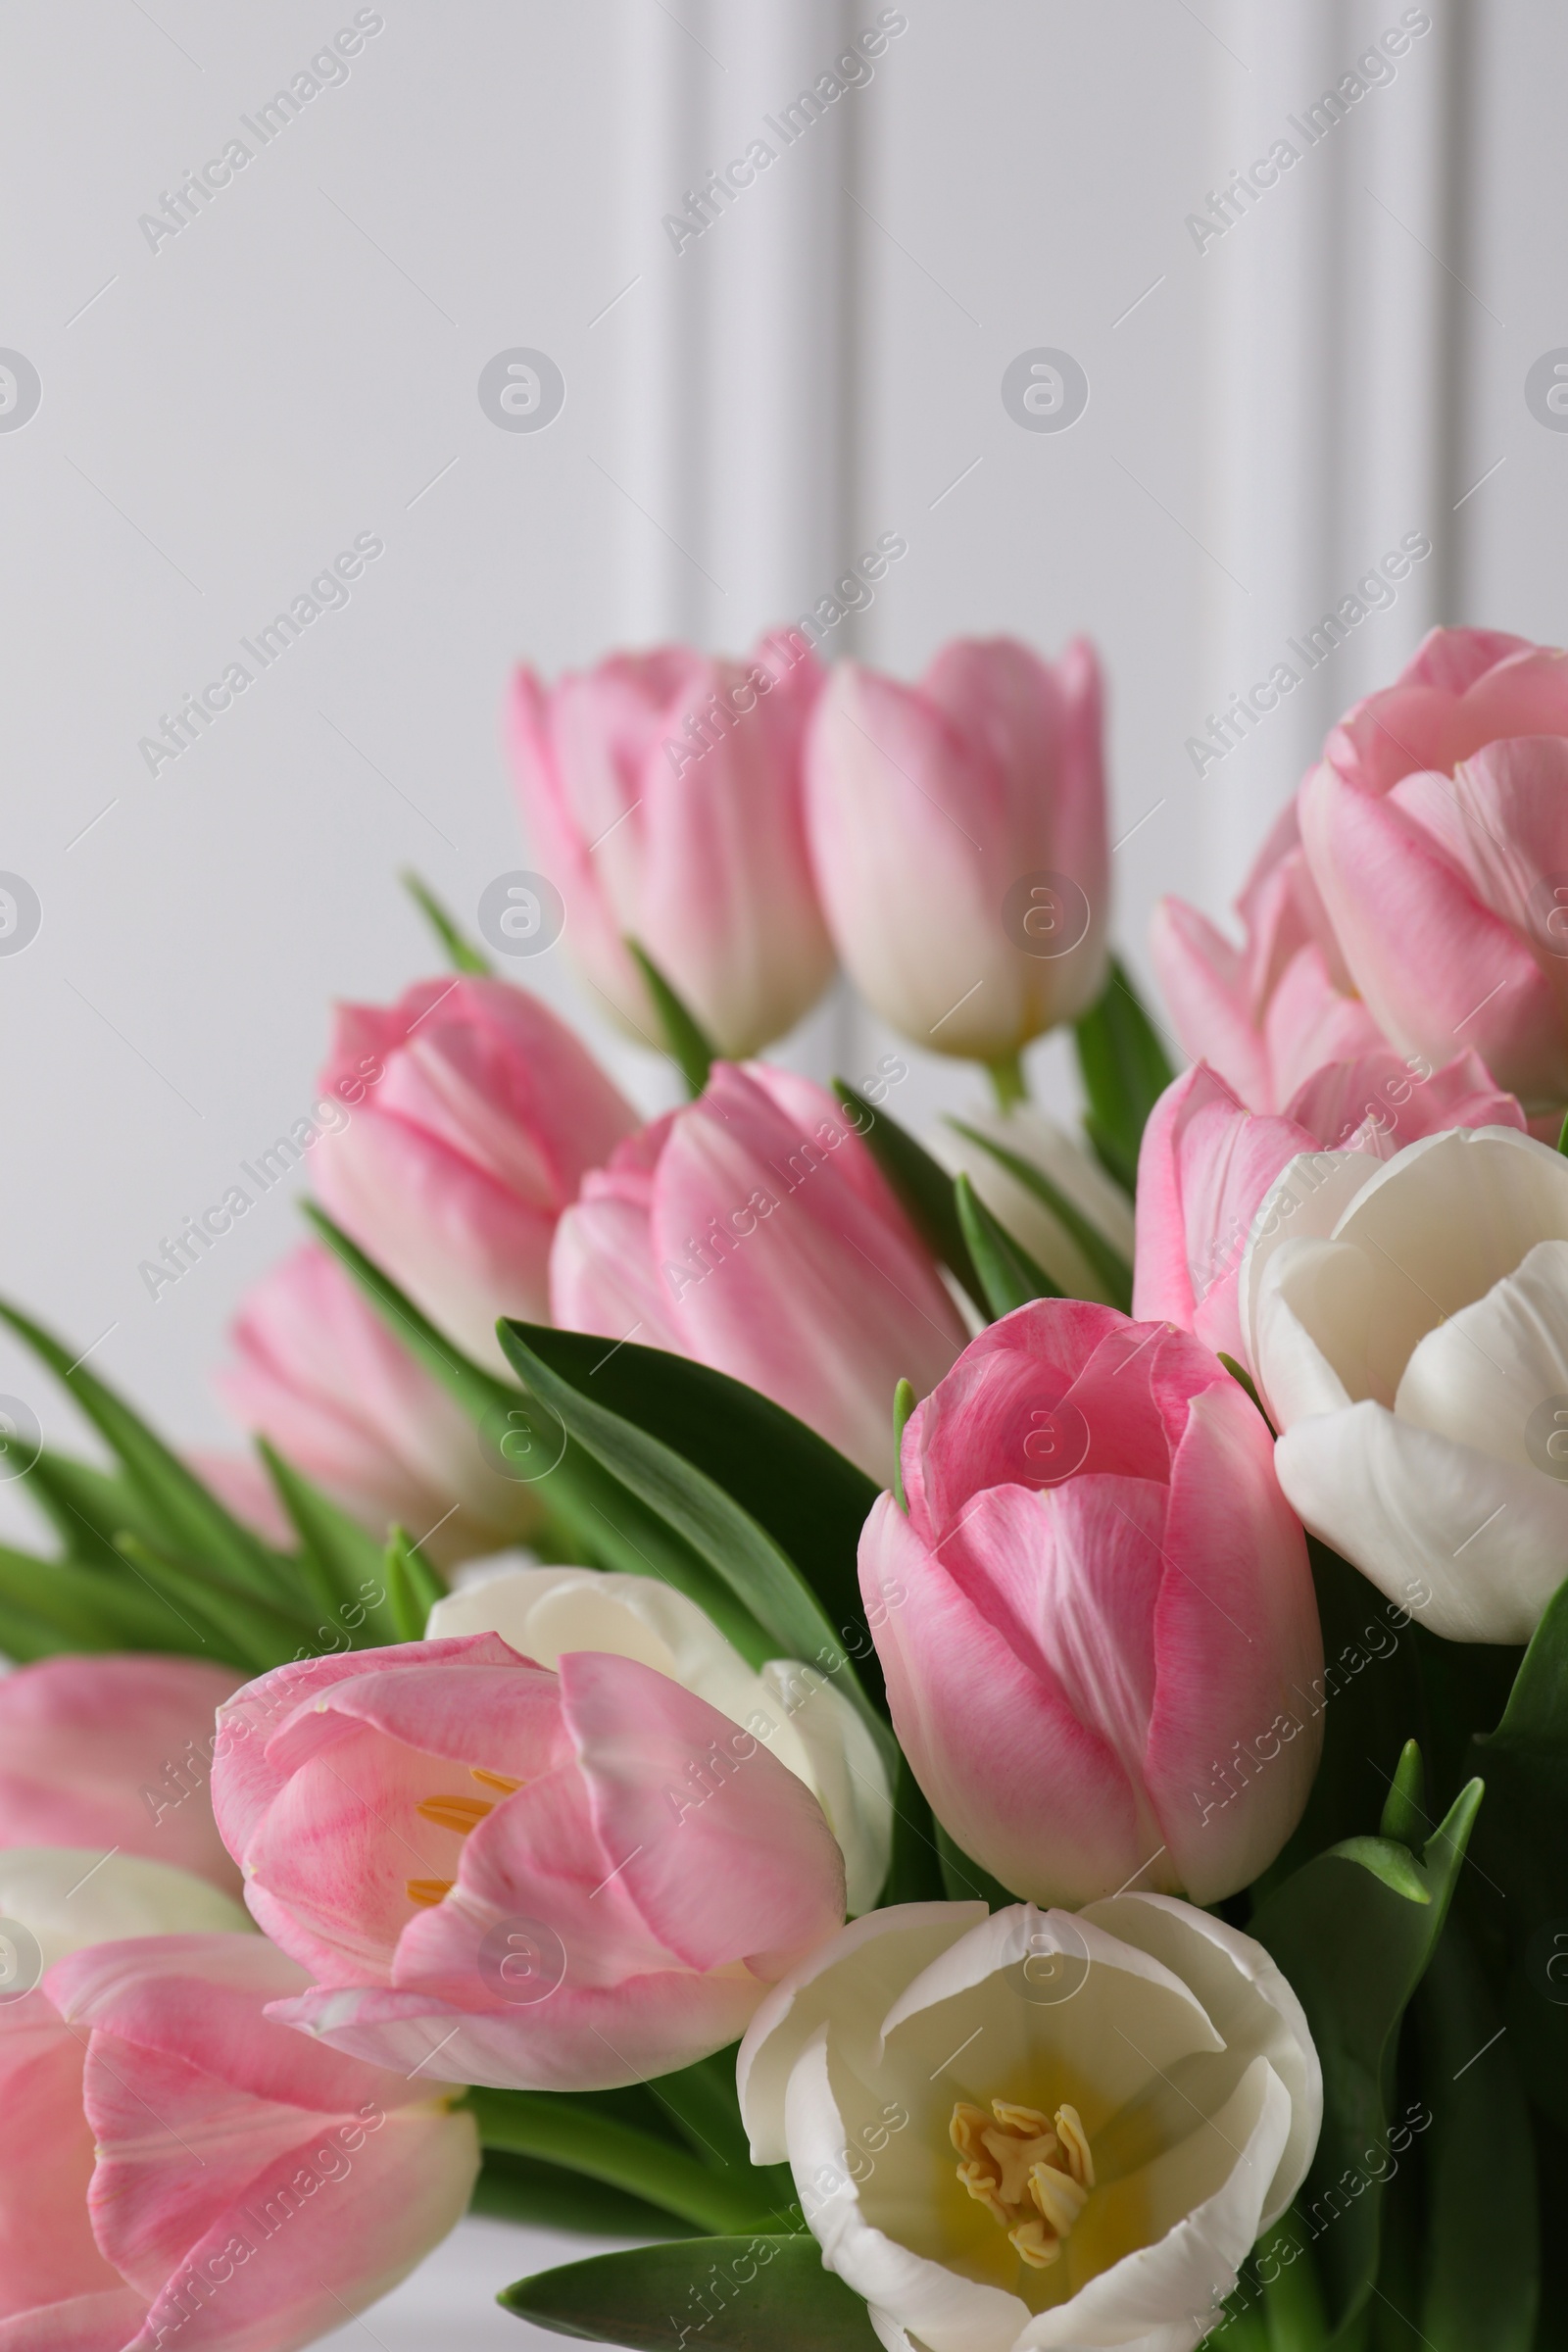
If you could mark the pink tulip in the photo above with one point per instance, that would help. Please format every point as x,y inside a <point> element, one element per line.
<point>958,833</point>
<point>1265,1016</point>
<point>662,792</point>
<point>561,1881</point>
<point>1096,1617</point>
<point>320,1375</point>
<point>101,1752</point>
<point>176,2169</point>
<point>462,1153</point>
<point>1437,830</point>
<point>1206,1163</point>
<point>754,1231</point>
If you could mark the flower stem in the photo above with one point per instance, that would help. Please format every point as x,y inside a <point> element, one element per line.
<point>1008,1081</point>
<point>538,2123</point>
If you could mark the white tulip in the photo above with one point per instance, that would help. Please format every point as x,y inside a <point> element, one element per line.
<point>1037,2127</point>
<point>795,1711</point>
<point>1029,1135</point>
<point>1408,1325</point>
<point>55,1899</point>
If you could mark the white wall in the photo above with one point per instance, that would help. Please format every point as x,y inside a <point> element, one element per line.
<point>300,364</point>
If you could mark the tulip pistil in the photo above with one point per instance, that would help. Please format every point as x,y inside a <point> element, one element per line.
<point>1033,2175</point>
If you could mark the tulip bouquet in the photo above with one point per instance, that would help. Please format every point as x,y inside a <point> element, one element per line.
<point>1002,1778</point>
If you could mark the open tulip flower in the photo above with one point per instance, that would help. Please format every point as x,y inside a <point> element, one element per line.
<point>1096,1587</point>
<point>1036,2129</point>
<point>560,1880</point>
<point>1409,1328</point>
<point>176,2169</point>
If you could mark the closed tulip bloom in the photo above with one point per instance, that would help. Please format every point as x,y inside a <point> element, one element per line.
<point>561,1881</point>
<point>1409,1328</point>
<point>1036,2129</point>
<point>1030,1136</point>
<point>63,1897</point>
<point>1096,1594</point>
<point>1435,825</point>
<point>795,1711</point>
<point>176,2169</point>
<point>1206,1163</point>
<point>754,1231</point>
<point>477,1114</point>
<point>662,794</point>
<point>108,1751</point>
<point>318,1372</point>
<point>958,833</point>
<point>1265,1016</point>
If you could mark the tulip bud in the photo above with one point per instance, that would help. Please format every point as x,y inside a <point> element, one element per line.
<point>662,792</point>
<point>470,1114</point>
<point>958,835</point>
<point>754,1231</point>
<point>1095,1618</point>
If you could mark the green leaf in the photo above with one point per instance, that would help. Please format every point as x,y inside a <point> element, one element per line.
<point>1354,1942</point>
<point>85,1609</point>
<point>249,1632</point>
<point>1405,1818</point>
<point>1009,1275</point>
<point>460,953</point>
<point>793,1483</point>
<point>905,1401</point>
<point>1107,1259</point>
<point>1483,2250</point>
<point>767,2293</point>
<point>1125,1070</point>
<point>726,1539</point>
<point>87,1507</point>
<point>1562,1135</point>
<point>546,2196</point>
<point>566,2131</point>
<point>923,1187</point>
<point>688,1044</point>
<point>413,1587</point>
<point>341,1562</point>
<point>190,1521</point>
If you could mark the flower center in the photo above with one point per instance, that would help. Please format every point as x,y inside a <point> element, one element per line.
<point>463,1814</point>
<point>1033,2175</point>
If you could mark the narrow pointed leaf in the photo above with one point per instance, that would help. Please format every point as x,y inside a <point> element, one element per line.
<point>764,2293</point>
<point>546,2196</point>
<point>689,1045</point>
<point>924,1188</point>
<point>460,953</point>
<point>1009,1275</point>
<point>249,1632</point>
<point>1105,1259</point>
<point>86,1506</point>
<point>413,1587</point>
<point>343,1563</point>
<point>566,2131</point>
<point>1125,1070</point>
<point>89,1610</point>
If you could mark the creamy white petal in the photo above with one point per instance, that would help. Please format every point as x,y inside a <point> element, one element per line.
<point>1491,1376</point>
<point>1162,2298</point>
<point>842,1764</point>
<point>1251,2002</point>
<point>1304,1203</point>
<point>68,1899</point>
<point>945,2310</point>
<point>1310,1330</point>
<point>1472,1545</point>
<point>852,1981</point>
<point>1032,1137</point>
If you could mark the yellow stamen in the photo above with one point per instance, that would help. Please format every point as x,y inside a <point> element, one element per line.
<point>460,1813</point>
<point>427,1893</point>
<point>494,1779</point>
<point>1016,2158</point>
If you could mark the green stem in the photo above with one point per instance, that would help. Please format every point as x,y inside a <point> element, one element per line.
<point>530,2124</point>
<point>1008,1081</point>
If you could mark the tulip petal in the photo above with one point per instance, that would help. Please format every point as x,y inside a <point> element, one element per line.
<point>102,2323</point>
<point>47,2251</point>
<point>1201,978</point>
<point>1485,1375</point>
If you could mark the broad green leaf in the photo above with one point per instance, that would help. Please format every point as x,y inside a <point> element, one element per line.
<point>732,1543</point>
<point>690,1048</point>
<point>460,953</point>
<point>1105,1259</point>
<point>1482,2260</point>
<point>1355,1944</point>
<point>85,1609</point>
<point>190,1521</point>
<point>1125,1070</point>
<point>923,1185</point>
<point>250,1632</point>
<point>1009,1275</point>
<point>413,1587</point>
<point>546,2196</point>
<point>342,1563</point>
<point>766,2293</point>
<point>808,1497</point>
<point>607,1525</point>
<point>567,2131</point>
